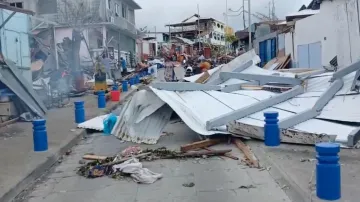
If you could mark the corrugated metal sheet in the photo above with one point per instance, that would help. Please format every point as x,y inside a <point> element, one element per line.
<point>19,85</point>
<point>96,123</point>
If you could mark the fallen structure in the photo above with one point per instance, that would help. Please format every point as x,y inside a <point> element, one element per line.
<point>313,106</point>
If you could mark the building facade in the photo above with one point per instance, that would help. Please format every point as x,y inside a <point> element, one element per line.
<point>204,30</point>
<point>107,23</point>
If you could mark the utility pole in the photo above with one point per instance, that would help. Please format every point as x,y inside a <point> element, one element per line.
<point>155,34</point>
<point>244,14</point>
<point>270,10</point>
<point>226,26</point>
<point>198,26</point>
<point>250,43</point>
<point>273,11</point>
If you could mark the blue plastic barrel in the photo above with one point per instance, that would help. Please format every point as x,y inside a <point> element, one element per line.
<point>328,179</point>
<point>79,112</point>
<point>115,87</point>
<point>101,99</point>
<point>271,129</point>
<point>40,135</point>
<point>124,86</point>
<point>131,81</point>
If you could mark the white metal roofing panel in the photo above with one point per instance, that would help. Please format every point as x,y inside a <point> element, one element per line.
<point>233,101</point>
<point>233,81</point>
<point>297,105</point>
<point>342,108</point>
<point>260,71</point>
<point>321,83</point>
<point>255,94</point>
<point>96,123</point>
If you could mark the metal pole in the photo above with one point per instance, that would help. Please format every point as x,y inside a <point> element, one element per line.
<point>55,47</point>
<point>198,26</point>
<point>250,43</point>
<point>226,27</point>
<point>155,33</point>
<point>243,7</point>
<point>169,35</point>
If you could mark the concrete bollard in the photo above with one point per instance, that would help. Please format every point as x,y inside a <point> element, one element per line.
<point>328,179</point>
<point>124,86</point>
<point>101,100</point>
<point>40,135</point>
<point>79,112</point>
<point>271,129</point>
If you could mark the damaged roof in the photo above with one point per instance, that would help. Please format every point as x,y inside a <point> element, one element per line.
<point>318,107</point>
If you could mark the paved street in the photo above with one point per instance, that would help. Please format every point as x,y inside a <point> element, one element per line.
<point>215,179</point>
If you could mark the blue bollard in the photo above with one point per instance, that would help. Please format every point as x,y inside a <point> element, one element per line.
<point>271,129</point>
<point>137,79</point>
<point>79,112</point>
<point>101,99</point>
<point>124,86</point>
<point>328,179</point>
<point>40,135</point>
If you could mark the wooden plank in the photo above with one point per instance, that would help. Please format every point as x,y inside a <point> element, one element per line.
<point>203,78</point>
<point>205,153</point>
<point>226,155</point>
<point>200,144</point>
<point>247,152</point>
<point>94,157</point>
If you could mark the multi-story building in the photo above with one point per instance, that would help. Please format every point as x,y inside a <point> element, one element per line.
<point>205,30</point>
<point>108,23</point>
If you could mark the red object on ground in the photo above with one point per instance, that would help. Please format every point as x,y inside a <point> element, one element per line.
<point>115,95</point>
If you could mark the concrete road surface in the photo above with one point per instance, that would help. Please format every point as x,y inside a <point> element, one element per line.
<point>215,179</point>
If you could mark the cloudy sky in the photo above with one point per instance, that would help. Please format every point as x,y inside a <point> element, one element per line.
<point>160,12</point>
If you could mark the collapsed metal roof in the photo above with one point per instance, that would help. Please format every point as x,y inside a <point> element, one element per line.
<point>306,112</point>
<point>10,76</point>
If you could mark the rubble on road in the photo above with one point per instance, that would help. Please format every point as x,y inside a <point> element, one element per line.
<point>127,163</point>
<point>313,105</point>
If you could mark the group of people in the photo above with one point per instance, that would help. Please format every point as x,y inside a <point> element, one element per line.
<point>106,65</point>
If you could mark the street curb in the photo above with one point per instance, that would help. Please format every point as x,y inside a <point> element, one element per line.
<point>42,169</point>
<point>294,191</point>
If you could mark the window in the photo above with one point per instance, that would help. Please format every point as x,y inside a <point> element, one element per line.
<point>17,4</point>
<point>117,9</point>
<point>108,4</point>
<point>124,11</point>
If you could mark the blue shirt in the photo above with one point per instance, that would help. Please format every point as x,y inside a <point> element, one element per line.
<point>123,64</point>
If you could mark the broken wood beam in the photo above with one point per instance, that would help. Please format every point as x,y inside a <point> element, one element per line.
<point>205,153</point>
<point>94,157</point>
<point>200,144</point>
<point>247,152</point>
<point>226,154</point>
<point>125,159</point>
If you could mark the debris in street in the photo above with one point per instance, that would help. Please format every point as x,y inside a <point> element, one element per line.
<point>247,187</point>
<point>137,172</point>
<point>94,157</point>
<point>307,160</point>
<point>191,184</point>
<point>200,144</point>
<point>228,155</point>
<point>81,161</point>
<point>130,151</point>
<point>250,158</point>
<point>68,152</point>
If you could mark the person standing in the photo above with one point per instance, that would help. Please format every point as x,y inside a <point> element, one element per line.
<point>123,66</point>
<point>106,61</point>
<point>169,73</point>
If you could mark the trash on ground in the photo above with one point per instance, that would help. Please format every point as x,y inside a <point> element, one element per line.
<point>247,187</point>
<point>191,184</point>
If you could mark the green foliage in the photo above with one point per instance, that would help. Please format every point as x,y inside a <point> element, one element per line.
<point>230,38</point>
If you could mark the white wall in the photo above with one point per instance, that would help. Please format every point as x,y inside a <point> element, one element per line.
<point>146,47</point>
<point>289,46</point>
<point>318,28</point>
<point>348,36</point>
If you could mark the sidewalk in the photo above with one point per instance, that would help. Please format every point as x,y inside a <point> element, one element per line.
<point>20,165</point>
<point>294,166</point>
<point>213,179</point>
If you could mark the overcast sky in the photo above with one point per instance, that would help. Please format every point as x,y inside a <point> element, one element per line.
<point>160,12</point>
